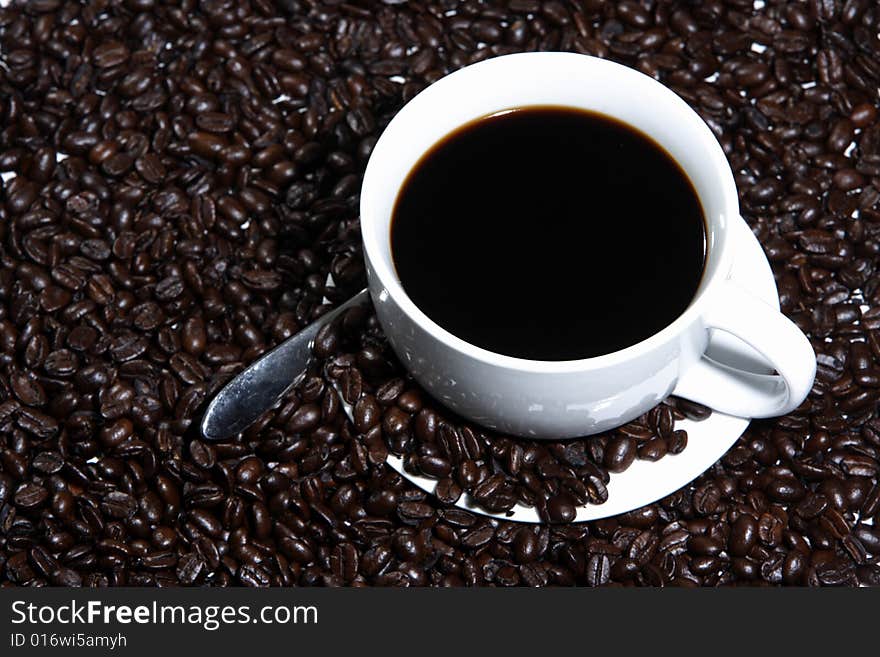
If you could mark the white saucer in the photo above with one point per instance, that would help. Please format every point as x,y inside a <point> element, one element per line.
<point>646,482</point>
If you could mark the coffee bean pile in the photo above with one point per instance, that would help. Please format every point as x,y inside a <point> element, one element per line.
<point>495,472</point>
<point>179,180</point>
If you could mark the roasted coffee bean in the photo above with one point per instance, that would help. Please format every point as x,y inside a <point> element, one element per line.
<point>598,570</point>
<point>692,410</point>
<point>560,509</point>
<point>448,491</point>
<point>435,466</point>
<point>526,545</point>
<point>202,454</point>
<point>677,442</point>
<point>785,490</point>
<point>367,413</point>
<point>653,450</point>
<point>620,453</point>
<point>743,535</point>
<point>119,505</point>
<point>30,496</point>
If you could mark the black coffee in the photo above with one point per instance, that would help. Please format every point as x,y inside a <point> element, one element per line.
<point>549,233</point>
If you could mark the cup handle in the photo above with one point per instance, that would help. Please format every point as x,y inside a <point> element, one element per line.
<point>771,334</point>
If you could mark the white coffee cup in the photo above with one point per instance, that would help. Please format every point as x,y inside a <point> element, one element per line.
<point>562,399</point>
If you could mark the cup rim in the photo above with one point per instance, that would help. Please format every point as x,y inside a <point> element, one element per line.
<point>383,268</point>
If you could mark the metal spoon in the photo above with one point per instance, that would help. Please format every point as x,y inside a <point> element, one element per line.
<point>256,389</point>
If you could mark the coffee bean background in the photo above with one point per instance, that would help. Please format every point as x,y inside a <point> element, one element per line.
<point>180,179</point>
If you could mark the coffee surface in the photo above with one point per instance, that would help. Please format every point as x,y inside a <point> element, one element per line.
<point>549,233</point>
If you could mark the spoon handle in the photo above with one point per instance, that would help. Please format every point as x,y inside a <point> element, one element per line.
<point>254,390</point>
